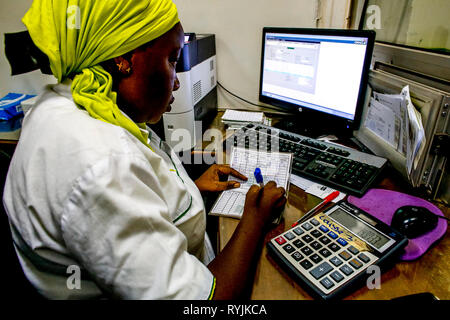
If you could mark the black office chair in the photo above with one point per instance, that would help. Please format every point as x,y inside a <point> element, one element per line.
<point>17,286</point>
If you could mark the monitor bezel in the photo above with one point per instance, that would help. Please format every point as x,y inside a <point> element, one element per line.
<point>340,123</point>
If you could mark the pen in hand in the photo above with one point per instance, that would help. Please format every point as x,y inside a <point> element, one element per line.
<point>314,210</point>
<point>259,177</point>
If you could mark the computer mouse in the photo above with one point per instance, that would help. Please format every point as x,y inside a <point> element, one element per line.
<point>414,221</point>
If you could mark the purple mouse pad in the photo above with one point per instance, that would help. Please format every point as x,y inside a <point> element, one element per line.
<point>382,204</point>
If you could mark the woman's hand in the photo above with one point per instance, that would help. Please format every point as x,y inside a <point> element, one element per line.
<point>262,205</point>
<point>214,179</point>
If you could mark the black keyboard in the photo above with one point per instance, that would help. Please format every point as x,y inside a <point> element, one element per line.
<point>339,167</point>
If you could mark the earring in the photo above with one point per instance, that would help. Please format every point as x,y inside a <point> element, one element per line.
<point>122,67</point>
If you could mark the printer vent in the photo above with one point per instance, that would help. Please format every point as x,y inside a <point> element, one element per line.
<point>197,88</point>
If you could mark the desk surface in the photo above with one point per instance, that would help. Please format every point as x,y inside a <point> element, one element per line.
<point>430,273</point>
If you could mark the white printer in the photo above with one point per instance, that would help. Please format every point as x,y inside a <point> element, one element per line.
<point>196,100</point>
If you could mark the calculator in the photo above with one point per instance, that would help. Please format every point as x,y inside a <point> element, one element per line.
<point>330,253</point>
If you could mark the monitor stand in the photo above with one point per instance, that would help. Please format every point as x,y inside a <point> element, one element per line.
<point>312,128</point>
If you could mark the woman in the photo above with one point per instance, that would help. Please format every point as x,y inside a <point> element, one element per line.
<point>91,186</point>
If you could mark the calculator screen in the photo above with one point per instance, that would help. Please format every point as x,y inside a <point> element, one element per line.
<point>359,228</point>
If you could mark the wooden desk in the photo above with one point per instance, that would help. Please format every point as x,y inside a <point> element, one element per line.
<point>430,273</point>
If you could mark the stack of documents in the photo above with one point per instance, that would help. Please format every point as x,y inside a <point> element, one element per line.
<point>236,119</point>
<point>274,166</point>
<point>395,120</point>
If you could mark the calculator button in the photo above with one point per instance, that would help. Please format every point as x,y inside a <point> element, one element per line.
<point>345,255</point>
<point>325,252</point>
<point>316,233</point>
<point>336,261</point>
<point>315,245</point>
<point>298,243</point>
<point>298,231</point>
<point>342,242</point>
<point>336,276</point>
<point>323,228</point>
<point>332,235</point>
<point>325,240</point>
<point>315,258</point>
<point>306,264</point>
<point>307,226</point>
<point>346,269</point>
<point>334,247</point>
<point>364,258</point>
<point>353,250</point>
<point>314,222</point>
<point>307,238</point>
<point>355,263</point>
<point>289,235</point>
<point>280,240</point>
<point>307,251</point>
<point>327,283</point>
<point>297,256</point>
<point>288,248</point>
<point>321,270</point>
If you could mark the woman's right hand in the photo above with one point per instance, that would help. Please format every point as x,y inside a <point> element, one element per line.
<point>262,205</point>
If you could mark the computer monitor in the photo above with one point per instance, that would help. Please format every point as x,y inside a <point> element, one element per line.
<point>320,75</point>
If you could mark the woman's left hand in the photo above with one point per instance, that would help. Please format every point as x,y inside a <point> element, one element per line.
<point>213,179</point>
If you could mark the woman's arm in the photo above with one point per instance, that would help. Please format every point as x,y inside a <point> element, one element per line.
<point>234,266</point>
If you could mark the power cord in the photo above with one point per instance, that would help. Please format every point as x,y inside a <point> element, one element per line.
<point>249,102</point>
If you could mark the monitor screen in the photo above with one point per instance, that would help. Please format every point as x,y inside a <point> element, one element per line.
<point>320,71</point>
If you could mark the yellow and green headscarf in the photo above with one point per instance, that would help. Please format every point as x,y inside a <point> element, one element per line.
<point>77,35</point>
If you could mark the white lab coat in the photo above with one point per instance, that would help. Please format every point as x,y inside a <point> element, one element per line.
<point>87,193</point>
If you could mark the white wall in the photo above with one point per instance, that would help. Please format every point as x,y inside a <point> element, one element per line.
<point>237,25</point>
<point>11,13</point>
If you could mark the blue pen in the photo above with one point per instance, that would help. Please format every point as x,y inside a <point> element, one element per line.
<point>259,177</point>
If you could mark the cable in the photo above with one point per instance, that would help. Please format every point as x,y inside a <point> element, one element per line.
<point>249,102</point>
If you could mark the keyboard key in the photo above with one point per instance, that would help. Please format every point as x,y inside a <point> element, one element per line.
<point>327,283</point>
<point>289,235</point>
<point>325,240</point>
<point>316,233</point>
<point>315,258</point>
<point>364,258</point>
<point>315,245</point>
<point>307,251</point>
<point>314,222</point>
<point>336,276</point>
<point>355,263</point>
<point>280,240</point>
<point>325,252</point>
<point>306,264</point>
<point>342,242</point>
<point>332,235</point>
<point>307,226</point>
<point>353,250</point>
<point>346,269</point>
<point>345,255</point>
<point>323,228</point>
<point>298,231</point>
<point>288,248</point>
<point>321,270</point>
<point>336,261</point>
<point>298,243</point>
<point>307,238</point>
<point>334,247</point>
<point>297,256</point>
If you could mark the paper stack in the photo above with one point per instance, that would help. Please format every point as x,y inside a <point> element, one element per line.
<point>394,118</point>
<point>236,119</point>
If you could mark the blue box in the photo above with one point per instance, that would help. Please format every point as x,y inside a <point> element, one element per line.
<point>10,105</point>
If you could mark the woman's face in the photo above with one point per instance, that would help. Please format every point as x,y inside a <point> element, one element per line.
<point>146,93</point>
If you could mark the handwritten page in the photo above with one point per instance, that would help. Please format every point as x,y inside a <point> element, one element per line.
<point>274,166</point>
